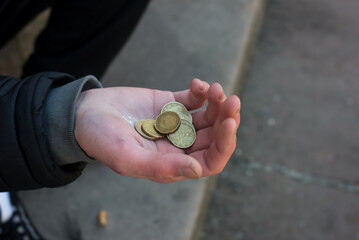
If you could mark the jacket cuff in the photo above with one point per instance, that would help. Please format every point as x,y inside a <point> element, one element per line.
<point>59,114</point>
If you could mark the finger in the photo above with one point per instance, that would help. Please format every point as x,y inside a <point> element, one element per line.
<point>207,117</point>
<point>159,167</point>
<point>214,159</point>
<point>203,140</point>
<point>230,109</point>
<point>195,97</point>
<point>215,97</point>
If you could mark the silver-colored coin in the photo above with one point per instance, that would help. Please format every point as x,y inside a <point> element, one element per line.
<point>179,108</point>
<point>185,135</point>
<point>185,120</point>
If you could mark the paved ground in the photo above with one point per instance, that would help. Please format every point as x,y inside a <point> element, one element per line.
<point>295,171</point>
<point>174,42</point>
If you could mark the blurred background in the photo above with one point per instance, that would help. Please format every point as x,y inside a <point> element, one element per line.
<point>294,174</point>
<point>295,171</point>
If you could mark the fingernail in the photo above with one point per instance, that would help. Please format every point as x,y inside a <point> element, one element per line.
<point>202,86</point>
<point>188,172</point>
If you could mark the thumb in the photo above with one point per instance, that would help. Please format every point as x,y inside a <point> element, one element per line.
<point>163,167</point>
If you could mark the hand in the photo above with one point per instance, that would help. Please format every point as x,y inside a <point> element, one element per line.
<point>104,128</point>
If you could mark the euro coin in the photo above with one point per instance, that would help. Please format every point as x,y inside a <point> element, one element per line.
<point>138,128</point>
<point>179,108</point>
<point>167,122</point>
<point>148,126</point>
<point>185,135</point>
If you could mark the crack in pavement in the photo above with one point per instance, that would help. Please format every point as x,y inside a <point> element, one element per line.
<point>299,176</point>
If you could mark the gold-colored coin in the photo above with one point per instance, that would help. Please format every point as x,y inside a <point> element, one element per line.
<point>167,122</point>
<point>148,126</point>
<point>185,135</point>
<point>179,108</point>
<point>138,128</point>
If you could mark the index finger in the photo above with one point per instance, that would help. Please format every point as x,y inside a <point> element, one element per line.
<point>195,97</point>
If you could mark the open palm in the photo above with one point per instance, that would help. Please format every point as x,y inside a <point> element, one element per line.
<point>105,120</point>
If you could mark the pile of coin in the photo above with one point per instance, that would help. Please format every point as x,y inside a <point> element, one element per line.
<point>175,122</point>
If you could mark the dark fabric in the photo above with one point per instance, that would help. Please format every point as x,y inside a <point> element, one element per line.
<point>81,37</point>
<point>19,220</point>
<point>15,14</point>
<point>59,115</point>
<point>25,160</point>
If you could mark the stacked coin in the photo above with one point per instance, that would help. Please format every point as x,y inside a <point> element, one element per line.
<point>175,122</point>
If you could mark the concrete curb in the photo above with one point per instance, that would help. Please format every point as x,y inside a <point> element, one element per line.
<point>234,87</point>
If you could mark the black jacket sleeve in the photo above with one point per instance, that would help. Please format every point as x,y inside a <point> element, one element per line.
<point>25,158</point>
